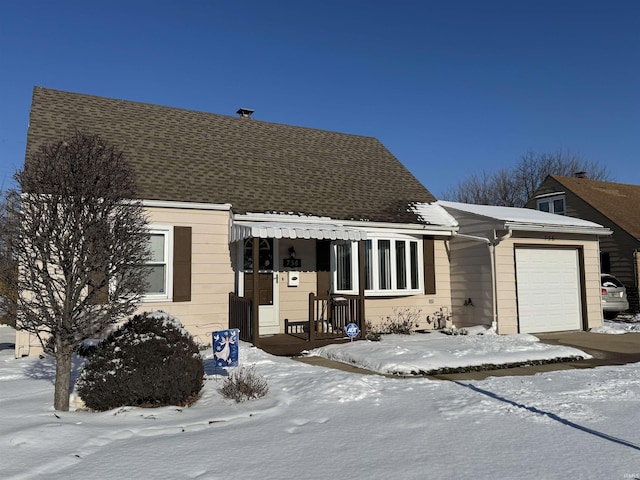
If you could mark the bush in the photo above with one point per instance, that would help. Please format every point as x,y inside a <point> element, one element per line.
<point>403,321</point>
<point>149,361</point>
<point>244,384</point>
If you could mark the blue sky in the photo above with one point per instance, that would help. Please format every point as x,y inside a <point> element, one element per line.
<point>449,87</point>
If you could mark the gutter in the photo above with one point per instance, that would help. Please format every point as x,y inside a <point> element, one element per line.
<point>492,259</point>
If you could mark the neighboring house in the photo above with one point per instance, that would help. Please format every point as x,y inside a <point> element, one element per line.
<point>614,205</point>
<point>524,271</point>
<point>327,218</point>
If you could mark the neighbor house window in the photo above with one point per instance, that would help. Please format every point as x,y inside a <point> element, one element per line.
<point>553,204</point>
<point>159,264</point>
<point>391,266</point>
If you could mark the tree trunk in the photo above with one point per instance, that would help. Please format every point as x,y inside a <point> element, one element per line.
<point>63,379</point>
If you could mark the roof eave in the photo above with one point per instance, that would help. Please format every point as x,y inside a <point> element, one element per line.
<point>538,227</point>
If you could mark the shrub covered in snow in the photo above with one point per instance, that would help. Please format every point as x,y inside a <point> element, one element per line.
<point>151,361</point>
<point>244,384</point>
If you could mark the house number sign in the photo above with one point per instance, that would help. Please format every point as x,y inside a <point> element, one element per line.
<point>291,263</point>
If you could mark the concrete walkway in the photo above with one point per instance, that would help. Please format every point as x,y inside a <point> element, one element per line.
<point>605,349</point>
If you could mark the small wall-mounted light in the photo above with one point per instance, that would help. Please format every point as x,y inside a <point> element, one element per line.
<point>468,303</point>
<point>292,252</point>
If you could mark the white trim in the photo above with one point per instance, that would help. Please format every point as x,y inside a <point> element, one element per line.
<point>545,195</point>
<point>295,226</point>
<point>167,231</point>
<point>378,292</point>
<point>394,290</point>
<point>528,227</point>
<point>186,205</point>
<point>550,201</point>
<point>354,268</point>
<point>240,230</point>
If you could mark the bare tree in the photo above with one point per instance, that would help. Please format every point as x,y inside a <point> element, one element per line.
<point>8,269</point>
<point>514,186</point>
<point>81,243</point>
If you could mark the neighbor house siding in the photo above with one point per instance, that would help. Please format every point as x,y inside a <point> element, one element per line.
<point>212,277</point>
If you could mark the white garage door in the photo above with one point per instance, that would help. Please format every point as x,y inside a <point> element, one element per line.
<point>548,288</point>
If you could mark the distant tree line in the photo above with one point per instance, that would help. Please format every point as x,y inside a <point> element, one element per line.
<point>513,186</point>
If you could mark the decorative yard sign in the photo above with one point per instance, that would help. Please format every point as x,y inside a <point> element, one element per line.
<point>352,330</point>
<point>225,347</point>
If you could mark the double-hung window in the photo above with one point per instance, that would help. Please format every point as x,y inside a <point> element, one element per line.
<point>159,264</point>
<point>391,266</point>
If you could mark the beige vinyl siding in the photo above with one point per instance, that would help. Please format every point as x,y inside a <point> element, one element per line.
<point>379,308</point>
<point>294,301</point>
<point>212,276</point>
<point>471,279</point>
<point>506,280</point>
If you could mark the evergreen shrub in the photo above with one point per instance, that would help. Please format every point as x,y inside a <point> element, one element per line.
<point>149,361</point>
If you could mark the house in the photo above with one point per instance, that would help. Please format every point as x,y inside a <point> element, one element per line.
<point>524,271</point>
<point>614,205</point>
<point>274,229</point>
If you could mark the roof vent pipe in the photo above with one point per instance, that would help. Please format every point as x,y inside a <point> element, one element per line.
<point>580,174</point>
<point>245,112</point>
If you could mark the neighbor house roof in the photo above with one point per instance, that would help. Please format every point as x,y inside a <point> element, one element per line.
<point>526,219</point>
<point>617,201</point>
<point>190,156</point>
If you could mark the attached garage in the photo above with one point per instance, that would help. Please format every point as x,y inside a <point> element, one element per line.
<point>548,289</point>
<point>524,271</point>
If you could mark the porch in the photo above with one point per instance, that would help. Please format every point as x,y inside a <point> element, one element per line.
<point>326,323</point>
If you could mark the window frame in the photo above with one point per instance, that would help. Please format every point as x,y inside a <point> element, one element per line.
<point>167,232</point>
<point>373,256</point>
<point>550,201</point>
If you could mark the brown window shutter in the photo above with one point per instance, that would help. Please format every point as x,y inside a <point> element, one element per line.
<point>429,265</point>
<point>181,264</point>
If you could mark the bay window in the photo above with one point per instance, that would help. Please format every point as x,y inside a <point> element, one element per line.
<point>391,266</point>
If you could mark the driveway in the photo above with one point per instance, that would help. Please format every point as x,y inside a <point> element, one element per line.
<point>606,349</point>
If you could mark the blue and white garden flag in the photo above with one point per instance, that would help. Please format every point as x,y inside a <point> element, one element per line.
<point>225,347</point>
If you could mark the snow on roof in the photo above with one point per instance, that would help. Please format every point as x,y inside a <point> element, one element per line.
<point>433,214</point>
<point>520,215</point>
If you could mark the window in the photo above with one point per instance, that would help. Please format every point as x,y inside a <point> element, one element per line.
<point>391,266</point>
<point>553,204</point>
<point>345,267</point>
<point>605,262</point>
<point>158,279</point>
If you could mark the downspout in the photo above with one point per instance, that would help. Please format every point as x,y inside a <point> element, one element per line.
<point>492,260</point>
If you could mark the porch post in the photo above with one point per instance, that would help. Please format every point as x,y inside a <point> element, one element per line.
<point>255,304</point>
<point>361,280</point>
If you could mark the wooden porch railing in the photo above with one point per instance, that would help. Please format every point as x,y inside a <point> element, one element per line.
<point>329,315</point>
<point>240,316</point>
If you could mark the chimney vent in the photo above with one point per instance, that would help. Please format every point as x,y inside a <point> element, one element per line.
<point>580,174</point>
<point>245,112</point>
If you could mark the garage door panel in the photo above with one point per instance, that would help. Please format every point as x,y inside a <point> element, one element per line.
<point>548,290</point>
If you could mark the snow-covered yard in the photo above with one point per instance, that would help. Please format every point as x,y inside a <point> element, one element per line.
<point>318,423</point>
<point>431,353</point>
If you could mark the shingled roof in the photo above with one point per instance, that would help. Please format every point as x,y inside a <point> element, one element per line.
<point>190,156</point>
<point>617,201</point>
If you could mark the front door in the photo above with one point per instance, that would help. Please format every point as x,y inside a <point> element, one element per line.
<point>267,297</point>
